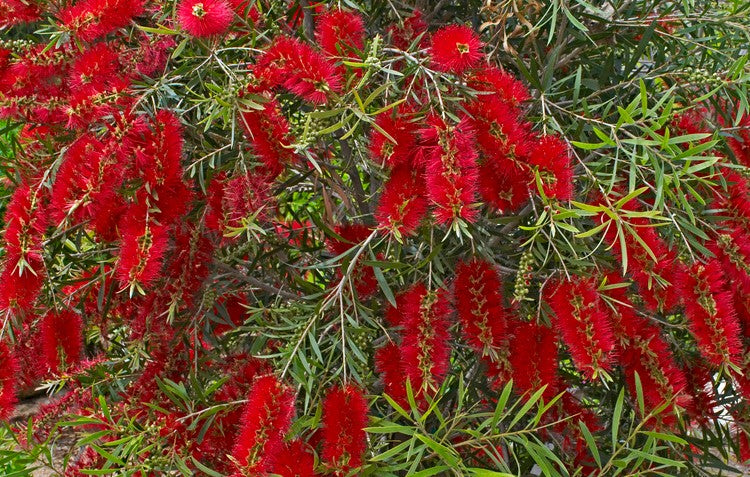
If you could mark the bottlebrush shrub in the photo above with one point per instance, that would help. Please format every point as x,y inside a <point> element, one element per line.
<point>266,237</point>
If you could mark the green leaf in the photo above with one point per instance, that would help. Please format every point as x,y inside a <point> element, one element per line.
<point>447,454</point>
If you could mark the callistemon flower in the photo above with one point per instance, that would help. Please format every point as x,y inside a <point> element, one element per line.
<point>62,340</point>
<point>451,173</point>
<point>94,70</point>
<point>267,130</point>
<point>657,280</point>
<point>299,68</point>
<point>8,376</point>
<point>338,32</point>
<point>23,270</point>
<point>295,460</point>
<point>643,351</point>
<point>392,142</point>
<point>247,196</point>
<point>583,324</point>
<point>551,158</point>
<point>92,19</point>
<point>732,249</point>
<point>504,86</point>
<point>534,358</point>
<point>425,352</point>
<point>344,419</point>
<point>479,302</point>
<point>205,18</point>
<point>13,12</point>
<point>388,364</point>
<point>709,308</point>
<point>402,204</point>
<point>414,26</point>
<point>141,252</point>
<point>455,48</point>
<point>736,198</point>
<point>267,417</point>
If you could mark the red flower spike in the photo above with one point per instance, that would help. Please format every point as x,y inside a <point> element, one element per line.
<point>267,417</point>
<point>340,32</point>
<point>643,351</point>
<point>246,196</point>
<point>268,133</point>
<point>583,324</point>
<point>451,173</point>
<point>8,375</point>
<point>205,18</point>
<point>388,364</point>
<point>425,352</point>
<point>657,281</point>
<point>300,69</point>
<point>552,160</point>
<point>14,12</point>
<point>62,340</point>
<point>479,303</point>
<point>401,129</point>
<point>295,460</point>
<point>455,48</point>
<point>94,70</point>
<point>504,86</point>
<point>403,204</point>
<point>709,308</point>
<point>413,27</point>
<point>141,253</point>
<point>534,358</point>
<point>344,419</point>
<point>92,19</point>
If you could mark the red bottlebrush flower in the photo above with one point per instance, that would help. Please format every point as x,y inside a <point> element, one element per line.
<point>94,69</point>
<point>710,312</point>
<point>62,340</point>
<point>583,324</point>
<point>267,417</point>
<point>141,252</point>
<point>732,250</point>
<point>504,86</point>
<point>504,184</point>
<point>14,12</point>
<point>400,129</point>
<point>20,287</point>
<point>23,270</point>
<point>657,281</point>
<point>534,358</point>
<point>455,48</point>
<point>340,32</point>
<point>344,419</point>
<point>479,303</point>
<point>736,198</point>
<point>413,27</point>
<point>92,19</point>
<point>739,142</point>
<point>643,351</point>
<point>86,183</point>
<point>388,364</point>
<point>552,159</point>
<point>363,276</point>
<point>8,375</point>
<point>295,460</point>
<point>204,18</point>
<point>402,204</point>
<point>300,69</point>
<point>451,173</point>
<point>267,131</point>
<point>160,153</point>
<point>425,352</point>
<point>246,196</point>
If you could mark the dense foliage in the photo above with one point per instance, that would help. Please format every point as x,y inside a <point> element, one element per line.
<point>258,237</point>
